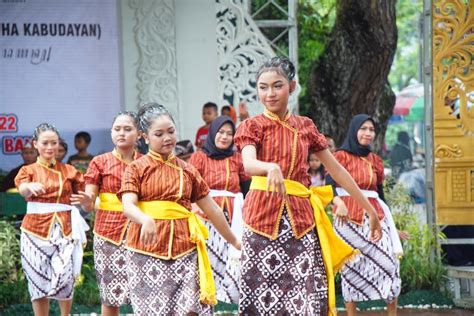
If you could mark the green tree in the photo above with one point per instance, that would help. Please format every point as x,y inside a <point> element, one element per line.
<point>407,57</point>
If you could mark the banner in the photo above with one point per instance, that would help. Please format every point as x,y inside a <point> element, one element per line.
<point>59,63</point>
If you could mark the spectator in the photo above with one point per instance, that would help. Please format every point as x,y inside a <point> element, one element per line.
<point>82,159</point>
<point>62,150</point>
<point>184,149</point>
<point>29,155</point>
<point>229,111</point>
<point>209,113</point>
<point>316,170</point>
<point>400,157</point>
<point>331,143</point>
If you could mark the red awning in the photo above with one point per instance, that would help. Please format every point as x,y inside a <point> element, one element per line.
<point>403,105</point>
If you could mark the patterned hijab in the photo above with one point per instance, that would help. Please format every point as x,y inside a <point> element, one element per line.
<point>351,144</point>
<point>210,148</point>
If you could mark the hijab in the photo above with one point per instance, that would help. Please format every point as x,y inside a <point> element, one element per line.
<point>210,148</point>
<point>351,144</point>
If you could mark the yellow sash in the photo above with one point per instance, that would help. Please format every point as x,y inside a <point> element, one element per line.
<point>335,251</point>
<point>198,235</point>
<point>110,202</point>
<point>12,190</point>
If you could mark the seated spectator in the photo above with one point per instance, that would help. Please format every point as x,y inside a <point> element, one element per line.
<point>81,160</point>
<point>29,155</point>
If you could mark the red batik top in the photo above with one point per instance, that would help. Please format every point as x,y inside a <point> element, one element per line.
<point>286,143</point>
<point>155,179</point>
<point>367,173</point>
<point>224,174</point>
<point>60,181</point>
<point>105,171</point>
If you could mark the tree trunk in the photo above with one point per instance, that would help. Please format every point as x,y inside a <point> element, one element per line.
<point>350,77</point>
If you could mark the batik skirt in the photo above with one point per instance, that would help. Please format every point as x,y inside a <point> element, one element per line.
<point>165,287</point>
<point>110,263</point>
<point>285,276</point>
<point>48,264</point>
<point>376,273</point>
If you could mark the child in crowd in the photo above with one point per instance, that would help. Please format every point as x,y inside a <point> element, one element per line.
<point>229,111</point>
<point>209,113</point>
<point>82,159</point>
<point>316,170</point>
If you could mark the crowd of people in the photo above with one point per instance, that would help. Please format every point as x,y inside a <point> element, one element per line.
<point>238,218</point>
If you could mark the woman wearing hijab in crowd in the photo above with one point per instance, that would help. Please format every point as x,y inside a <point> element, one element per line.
<point>289,249</point>
<point>222,169</point>
<point>168,266</point>
<point>52,231</point>
<point>375,274</point>
<point>103,179</point>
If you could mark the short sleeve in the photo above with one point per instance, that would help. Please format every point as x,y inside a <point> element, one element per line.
<point>379,169</point>
<point>94,174</point>
<point>199,187</point>
<point>23,176</point>
<point>248,133</point>
<point>317,140</point>
<point>130,181</point>
<point>78,181</point>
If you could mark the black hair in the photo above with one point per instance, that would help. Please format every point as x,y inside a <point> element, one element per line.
<point>84,135</point>
<point>225,107</point>
<point>210,105</point>
<point>150,111</point>
<point>130,114</point>
<point>282,65</point>
<point>63,143</point>
<point>43,127</point>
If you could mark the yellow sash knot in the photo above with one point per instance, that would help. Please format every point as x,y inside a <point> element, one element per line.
<point>110,202</point>
<point>168,210</point>
<point>335,251</point>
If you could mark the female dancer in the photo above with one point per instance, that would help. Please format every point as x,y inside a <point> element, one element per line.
<point>287,266</point>
<point>375,275</point>
<point>168,268</point>
<point>103,179</point>
<point>222,169</point>
<point>52,231</point>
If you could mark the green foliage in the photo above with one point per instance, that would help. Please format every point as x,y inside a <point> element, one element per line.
<point>9,252</point>
<point>315,22</point>
<point>421,267</point>
<point>407,57</point>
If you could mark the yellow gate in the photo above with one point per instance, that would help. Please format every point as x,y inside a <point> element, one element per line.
<point>453,111</point>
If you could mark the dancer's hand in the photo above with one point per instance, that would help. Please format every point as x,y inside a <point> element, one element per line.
<point>403,235</point>
<point>275,180</point>
<point>148,234</point>
<point>83,199</point>
<point>341,211</point>
<point>375,228</point>
<point>238,245</point>
<point>35,188</point>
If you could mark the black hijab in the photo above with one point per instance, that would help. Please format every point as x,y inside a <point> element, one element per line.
<point>210,148</point>
<point>351,144</point>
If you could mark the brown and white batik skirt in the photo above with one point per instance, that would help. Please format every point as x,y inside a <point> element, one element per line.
<point>110,263</point>
<point>48,265</point>
<point>226,271</point>
<point>165,287</point>
<point>285,276</point>
<point>375,274</point>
